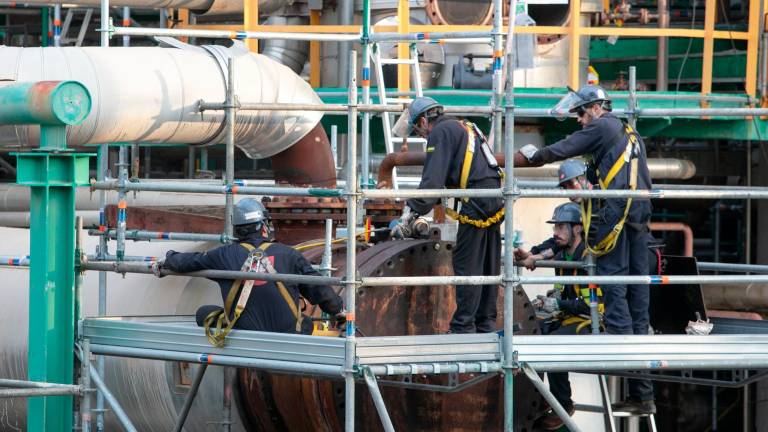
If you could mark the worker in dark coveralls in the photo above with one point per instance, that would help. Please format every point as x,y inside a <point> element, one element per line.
<point>267,309</point>
<point>565,309</point>
<point>616,228</point>
<point>458,157</point>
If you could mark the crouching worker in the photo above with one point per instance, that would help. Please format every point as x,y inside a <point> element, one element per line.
<point>262,305</point>
<point>565,309</point>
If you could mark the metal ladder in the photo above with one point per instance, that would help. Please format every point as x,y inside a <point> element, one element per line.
<point>71,12</point>
<point>387,119</point>
<point>609,414</point>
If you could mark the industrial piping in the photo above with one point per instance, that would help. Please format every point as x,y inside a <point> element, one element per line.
<point>659,168</point>
<point>200,7</point>
<point>150,94</point>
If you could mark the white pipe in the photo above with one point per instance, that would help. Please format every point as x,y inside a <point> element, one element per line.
<point>660,168</point>
<point>200,7</point>
<point>20,219</point>
<point>15,198</point>
<point>151,95</point>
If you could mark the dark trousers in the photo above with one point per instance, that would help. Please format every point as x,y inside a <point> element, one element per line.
<point>626,306</point>
<point>558,381</point>
<point>477,253</point>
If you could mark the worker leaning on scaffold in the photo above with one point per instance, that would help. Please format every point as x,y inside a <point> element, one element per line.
<point>616,228</point>
<point>458,156</point>
<point>565,309</point>
<point>255,305</point>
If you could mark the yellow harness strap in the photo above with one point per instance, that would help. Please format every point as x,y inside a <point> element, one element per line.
<point>608,243</point>
<point>224,324</point>
<point>466,167</point>
<point>469,154</point>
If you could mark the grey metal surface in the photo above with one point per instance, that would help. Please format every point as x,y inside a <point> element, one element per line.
<point>590,352</point>
<point>205,7</point>
<point>428,349</point>
<point>290,53</point>
<point>181,334</point>
<point>150,94</point>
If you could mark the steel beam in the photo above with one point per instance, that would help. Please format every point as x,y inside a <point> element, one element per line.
<point>52,176</point>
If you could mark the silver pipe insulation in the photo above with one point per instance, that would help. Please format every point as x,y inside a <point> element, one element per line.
<point>151,94</point>
<point>292,53</point>
<point>745,297</point>
<point>16,199</point>
<point>200,7</point>
<point>660,168</point>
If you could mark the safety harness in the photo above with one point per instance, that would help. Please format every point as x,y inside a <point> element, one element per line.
<point>257,262</point>
<point>583,293</point>
<point>628,156</point>
<point>473,132</point>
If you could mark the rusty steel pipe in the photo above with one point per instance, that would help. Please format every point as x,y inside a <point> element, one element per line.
<point>680,227</point>
<point>309,162</point>
<point>408,158</point>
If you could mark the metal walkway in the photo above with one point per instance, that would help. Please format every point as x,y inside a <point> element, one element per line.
<point>180,339</point>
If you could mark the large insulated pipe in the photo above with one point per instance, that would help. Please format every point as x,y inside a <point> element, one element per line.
<point>14,198</point>
<point>151,94</point>
<point>679,169</point>
<point>748,297</point>
<point>200,7</point>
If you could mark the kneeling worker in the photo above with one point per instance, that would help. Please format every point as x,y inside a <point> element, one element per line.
<point>273,306</point>
<point>565,309</point>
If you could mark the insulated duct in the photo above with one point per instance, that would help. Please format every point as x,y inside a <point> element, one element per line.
<point>292,53</point>
<point>200,7</point>
<point>744,297</point>
<point>151,95</point>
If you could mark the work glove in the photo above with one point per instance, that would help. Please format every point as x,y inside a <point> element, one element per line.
<point>528,151</point>
<point>403,227</point>
<point>550,305</point>
<point>555,293</point>
<point>341,319</point>
<point>157,268</point>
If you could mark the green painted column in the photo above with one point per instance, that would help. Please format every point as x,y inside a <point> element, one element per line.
<point>52,173</point>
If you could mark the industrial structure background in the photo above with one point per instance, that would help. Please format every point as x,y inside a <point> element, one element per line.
<point>146,120</point>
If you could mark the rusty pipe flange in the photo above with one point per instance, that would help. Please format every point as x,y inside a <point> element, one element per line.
<point>460,12</point>
<point>270,400</point>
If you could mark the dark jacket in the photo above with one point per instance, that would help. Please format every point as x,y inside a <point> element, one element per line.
<point>571,300</point>
<point>446,148</point>
<point>602,142</point>
<point>266,309</point>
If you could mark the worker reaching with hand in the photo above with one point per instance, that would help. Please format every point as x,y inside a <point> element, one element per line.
<point>565,309</point>
<point>458,156</point>
<point>620,238</point>
<point>255,305</point>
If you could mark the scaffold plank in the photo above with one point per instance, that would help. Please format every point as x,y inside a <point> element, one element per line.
<point>181,334</point>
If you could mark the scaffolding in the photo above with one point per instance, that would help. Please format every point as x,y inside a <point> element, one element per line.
<point>356,358</point>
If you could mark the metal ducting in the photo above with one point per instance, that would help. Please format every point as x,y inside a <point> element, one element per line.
<point>200,7</point>
<point>660,168</point>
<point>291,53</point>
<point>744,297</point>
<point>151,95</point>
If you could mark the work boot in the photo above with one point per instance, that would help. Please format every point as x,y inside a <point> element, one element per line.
<point>551,421</point>
<point>636,407</point>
